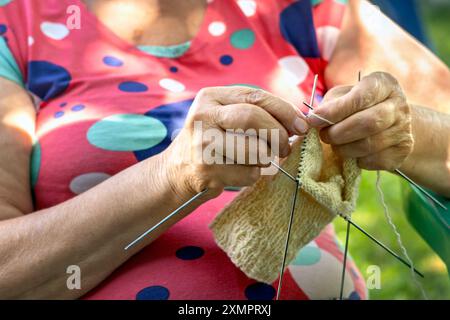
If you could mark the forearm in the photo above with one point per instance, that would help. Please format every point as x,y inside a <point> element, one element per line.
<point>429,163</point>
<point>90,231</point>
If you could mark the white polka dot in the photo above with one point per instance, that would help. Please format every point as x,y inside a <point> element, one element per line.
<point>295,69</point>
<point>217,28</point>
<point>327,38</point>
<point>30,41</point>
<point>322,280</point>
<point>172,85</point>
<point>55,31</point>
<point>248,7</point>
<point>87,181</point>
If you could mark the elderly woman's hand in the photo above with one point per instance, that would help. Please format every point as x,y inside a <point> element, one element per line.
<point>372,122</point>
<point>189,163</point>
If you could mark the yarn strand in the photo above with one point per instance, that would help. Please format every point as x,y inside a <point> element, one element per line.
<point>397,234</point>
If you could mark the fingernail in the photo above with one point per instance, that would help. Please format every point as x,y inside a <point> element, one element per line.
<point>313,120</point>
<point>300,126</point>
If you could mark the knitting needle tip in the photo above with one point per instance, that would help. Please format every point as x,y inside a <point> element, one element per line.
<point>287,174</point>
<point>349,220</point>
<point>426,193</point>
<point>175,212</point>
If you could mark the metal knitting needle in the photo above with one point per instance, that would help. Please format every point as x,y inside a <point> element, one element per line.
<point>291,219</point>
<point>347,235</point>
<point>344,266</point>
<point>313,92</point>
<point>142,236</point>
<point>283,171</point>
<point>152,229</point>
<point>381,245</point>
<point>317,116</point>
<point>436,201</point>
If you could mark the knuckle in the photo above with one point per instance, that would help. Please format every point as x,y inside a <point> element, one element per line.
<point>368,145</point>
<point>372,125</point>
<point>204,92</point>
<point>385,77</point>
<point>254,96</point>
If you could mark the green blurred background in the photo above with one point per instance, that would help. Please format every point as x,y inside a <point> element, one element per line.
<point>396,280</point>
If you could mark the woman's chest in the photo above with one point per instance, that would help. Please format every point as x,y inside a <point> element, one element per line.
<point>108,105</point>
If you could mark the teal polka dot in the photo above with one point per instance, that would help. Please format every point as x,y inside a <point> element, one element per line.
<point>307,256</point>
<point>35,163</point>
<point>243,39</point>
<point>4,2</point>
<point>316,2</point>
<point>126,132</point>
<point>245,85</point>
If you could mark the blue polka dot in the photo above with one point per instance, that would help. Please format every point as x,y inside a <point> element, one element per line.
<point>3,29</point>
<point>226,60</point>
<point>153,293</point>
<point>47,80</point>
<point>173,69</point>
<point>173,116</point>
<point>190,253</point>
<point>59,114</point>
<point>300,32</point>
<point>260,291</point>
<point>132,86</point>
<point>112,61</point>
<point>62,105</point>
<point>78,107</point>
<point>354,296</point>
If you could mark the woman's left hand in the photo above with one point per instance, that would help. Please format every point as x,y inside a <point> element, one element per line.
<point>372,122</point>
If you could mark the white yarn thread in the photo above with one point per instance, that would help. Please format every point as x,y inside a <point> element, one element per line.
<point>397,234</point>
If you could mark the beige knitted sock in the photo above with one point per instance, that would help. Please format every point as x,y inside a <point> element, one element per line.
<point>252,228</point>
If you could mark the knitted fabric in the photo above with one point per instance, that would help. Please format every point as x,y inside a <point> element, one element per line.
<point>252,228</point>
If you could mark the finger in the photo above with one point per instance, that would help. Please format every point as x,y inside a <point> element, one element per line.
<point>285,112</point>
<point>362,124</point>
<point>372,90</point>
<point>388,159</point>
<point>336,92</point>
<point>247,150</point>
<point>394,136</point>
<point>253,120</point>
<point>220,147</point>
<point>234,175</point>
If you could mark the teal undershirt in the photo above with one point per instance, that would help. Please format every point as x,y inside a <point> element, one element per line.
<point>8,66</point>
<point>174,51</point>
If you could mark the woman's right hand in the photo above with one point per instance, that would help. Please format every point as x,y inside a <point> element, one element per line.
<point>218,110</point>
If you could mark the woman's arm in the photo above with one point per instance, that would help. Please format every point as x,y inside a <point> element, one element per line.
<point>371,42</point>
<point>92,229</point>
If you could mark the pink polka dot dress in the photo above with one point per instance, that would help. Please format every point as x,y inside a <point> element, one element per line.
<point>103,105</point>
